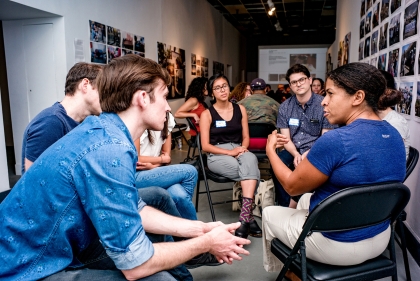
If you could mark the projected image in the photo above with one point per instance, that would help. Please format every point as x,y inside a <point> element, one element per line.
<point>308,60</point>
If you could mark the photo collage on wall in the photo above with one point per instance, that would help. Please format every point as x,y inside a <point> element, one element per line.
<point>218,67</point>
<point>388,41</point>
<point>173,59</point>
<point>199,66</point>
<point>107,42</point>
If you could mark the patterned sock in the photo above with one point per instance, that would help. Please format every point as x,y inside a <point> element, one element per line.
<point>246,211</point>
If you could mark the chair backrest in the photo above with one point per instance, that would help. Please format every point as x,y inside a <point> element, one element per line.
<point>413,157</point>
<point>358,207</point>
<point>258,133</point>
<point>191,124</point>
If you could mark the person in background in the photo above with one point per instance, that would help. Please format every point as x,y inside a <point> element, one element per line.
<point>364,151</point>
<point>278,95</point>
<point>241,91</point>
<point>225,136</point>
<point>388,100</point>
<point>194,103</point>
<point>268,90</point>
<point>318,86</point>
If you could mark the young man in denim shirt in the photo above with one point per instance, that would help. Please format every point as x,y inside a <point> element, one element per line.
<point>83,187</point>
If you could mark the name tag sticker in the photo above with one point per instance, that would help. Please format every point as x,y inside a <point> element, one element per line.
<point>220,123</point>
<point>293,122</point>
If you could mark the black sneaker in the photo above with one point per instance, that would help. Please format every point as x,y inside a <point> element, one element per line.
<point>205,259</point>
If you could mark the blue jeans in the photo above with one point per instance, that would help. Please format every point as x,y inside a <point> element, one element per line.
<point>282,197</point>
<point>99,266</point>
<point>179,180</point>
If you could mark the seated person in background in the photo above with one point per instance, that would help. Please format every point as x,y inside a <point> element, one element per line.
<point>153,169</point>
<point>268,90</point>
<point>241,91</point>
<point>386,101</point>
<point>318,86</point>
<point>278,95</point>
<point>301,119</point>
<point>365,151</point>
<point>82,189</point>
<point>259,107</point>
<point>81,100</point>
<point>225,136</point>
<point>194,103</point>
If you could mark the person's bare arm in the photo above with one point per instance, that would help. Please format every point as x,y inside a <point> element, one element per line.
<point>205,123</point>
<point>184,110</point>
<point>304,178</point>
<point>150,162</point>
<point>28,164</point>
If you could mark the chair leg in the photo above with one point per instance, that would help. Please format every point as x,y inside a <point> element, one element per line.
<point>197,195</point>
<point>404,249</point>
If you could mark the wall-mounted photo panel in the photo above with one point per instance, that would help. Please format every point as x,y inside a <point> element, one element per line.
<point>393,62</point>
<point>382,62</point>
<point>218,67</point>
<point>375,15</point>
<point>374,43</point>
<point>362,28</point>
<point>97,53</point>
<point>368,22</point>
<point>362,8</point>
<point>113,52</point>
<point>140,54</point>
<point>97,32</point>
<point>340,53</point>
<point>394,30</point>
<point>346,48</point>
<point>383,36</point>
<point>410,20</point>
<point>173,59</point>
<point>417,104</point>
<point>404,107</point>
<point>373,61</point>
<point>114,36</point>
<point>127,40</point>
<point>139,43</point>
<point>408,58</point>
<point>368,4</point>
<point>361,50</point>
<point>384,9</point>
<point>367,47</point>
<point>395,4</point>
<point>125,52</point>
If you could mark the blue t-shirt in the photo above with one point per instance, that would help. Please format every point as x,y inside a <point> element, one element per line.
<point>363,152</point>
<point>46,128</point>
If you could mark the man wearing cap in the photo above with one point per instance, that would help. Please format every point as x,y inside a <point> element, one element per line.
<point>260,107</point>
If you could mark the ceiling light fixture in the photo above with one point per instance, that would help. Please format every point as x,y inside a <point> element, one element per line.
<point>278,27</point>
<point>271,7</point>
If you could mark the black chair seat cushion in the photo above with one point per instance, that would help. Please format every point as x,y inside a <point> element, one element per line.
<point>321,271</point>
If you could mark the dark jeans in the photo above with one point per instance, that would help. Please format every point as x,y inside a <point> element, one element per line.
<point>282,197</point>
<point>97,264</point>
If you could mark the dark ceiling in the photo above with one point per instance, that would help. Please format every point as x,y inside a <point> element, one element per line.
<point>301,21</point>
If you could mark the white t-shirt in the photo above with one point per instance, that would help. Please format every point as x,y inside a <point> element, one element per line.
<point>148,149</point>
<point>400,123</point>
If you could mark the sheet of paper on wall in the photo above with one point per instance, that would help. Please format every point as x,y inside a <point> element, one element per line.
<point>78,51</point>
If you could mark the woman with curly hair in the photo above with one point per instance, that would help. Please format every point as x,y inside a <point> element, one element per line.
<point>241,91</point>
<point>194,102</point>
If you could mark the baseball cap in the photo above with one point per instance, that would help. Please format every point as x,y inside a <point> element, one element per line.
<point>258,84</point>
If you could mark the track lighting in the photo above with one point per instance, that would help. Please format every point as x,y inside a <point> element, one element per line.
<point>271,7</point>
<point>278,27</point>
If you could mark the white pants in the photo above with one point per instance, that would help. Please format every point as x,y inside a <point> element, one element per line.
<point>286,225</point>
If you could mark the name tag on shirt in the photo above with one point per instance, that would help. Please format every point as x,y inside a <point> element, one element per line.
<point>220,123</point>
<point>293,122</point>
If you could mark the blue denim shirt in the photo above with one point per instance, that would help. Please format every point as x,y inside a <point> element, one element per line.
<point>81,187</point>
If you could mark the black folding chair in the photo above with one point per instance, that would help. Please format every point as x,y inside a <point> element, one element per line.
<point>259,131</point>
<point>205,174</point>
<point>350,208</point>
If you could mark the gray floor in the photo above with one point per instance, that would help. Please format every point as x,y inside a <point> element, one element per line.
<point>250,268</point>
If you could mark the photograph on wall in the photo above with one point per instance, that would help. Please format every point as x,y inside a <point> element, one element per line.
<point>218,67</point>
<point>404,106</point>
<point>193,64</point>
<point>361,50</point>
<point>346,48</point>
<point>418,64</point>
<point>374,43</point>
<point>362,29</point>
<point>382,62</point>
<point>383,36</point>
<point>126,52</point>
<point>408,58</point>
<point>368,4</point>
<point>173,59</point>
<point>204,67</point>
<point>373,61</point>
<point>362,8</point>
<point>340,53</point>
<point>393,62</point>
<point>394,30</point>
<point>367,47</point>
<point>410,20</point>
<point>113,52</point>
<point>367,22</point>
<point>127,40</point>
<point>114,36</point>
<point>395,4</point>
<point>140,54</point>
<point>139,44</point>
<point>97,32</point>
<point>375,15</point>
<point>384,9</point>
<point>97,53</point>
<point>308,60</point>
<point>417,105</point>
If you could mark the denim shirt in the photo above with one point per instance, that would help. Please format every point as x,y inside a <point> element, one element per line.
<point>81,187</point>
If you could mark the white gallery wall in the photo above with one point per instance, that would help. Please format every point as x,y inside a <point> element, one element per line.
<point>348,20</point>
<point>194,26</point>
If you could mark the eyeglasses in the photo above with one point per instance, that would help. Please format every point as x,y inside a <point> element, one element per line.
<point>219,88</point>
<point>300,81</point>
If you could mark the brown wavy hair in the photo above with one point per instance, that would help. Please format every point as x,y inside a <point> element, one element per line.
<point>239,91</point>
